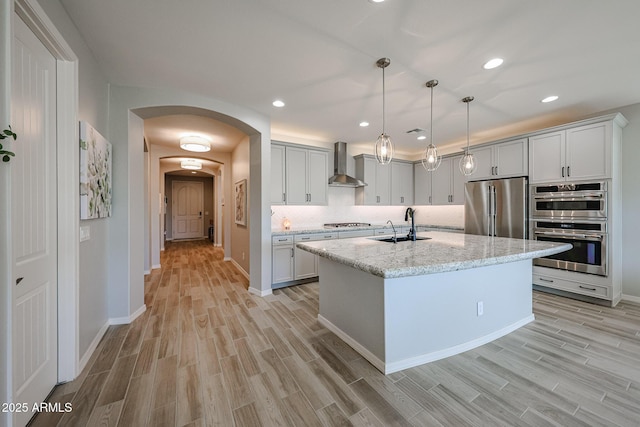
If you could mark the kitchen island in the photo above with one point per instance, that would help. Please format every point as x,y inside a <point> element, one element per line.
<point>404,304</point>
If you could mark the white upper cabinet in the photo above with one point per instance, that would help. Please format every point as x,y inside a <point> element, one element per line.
<point>501,160</point>
<point>299,176</point>
<point>277,175</point>
<point>574,154</point>
<point>401,183</point>
<point>448,183</point>
<point>377,192</point>
<point>422,185</point>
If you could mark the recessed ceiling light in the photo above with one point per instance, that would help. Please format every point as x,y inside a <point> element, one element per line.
<point>195,143</point>
<point>364,124</point>
<point>421,137</point>
<point>278,103</point>
<point>549,99</point>
<point>376,1</point>
<point>493,63</point>
<point>194,172</point>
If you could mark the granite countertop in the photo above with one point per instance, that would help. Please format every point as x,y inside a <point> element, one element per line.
<point>321,229</point>
<point>443,252</point>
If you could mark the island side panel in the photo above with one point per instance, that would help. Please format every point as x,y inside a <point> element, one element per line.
<point>351,306</point>
<point>435,316</point>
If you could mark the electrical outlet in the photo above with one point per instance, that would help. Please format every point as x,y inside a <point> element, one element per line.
<point>480,308</point>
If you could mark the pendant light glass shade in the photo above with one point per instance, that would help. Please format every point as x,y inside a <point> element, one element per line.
<point>431,160</point>
<point>384,147</point>
<point>468,162</point>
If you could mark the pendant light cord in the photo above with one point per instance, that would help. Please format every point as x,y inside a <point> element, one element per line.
<point>431,125</point>
<point>467,127</point>
<point>383,101</point>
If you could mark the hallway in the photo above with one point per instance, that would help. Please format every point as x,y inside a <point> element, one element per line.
<point>206,353</point>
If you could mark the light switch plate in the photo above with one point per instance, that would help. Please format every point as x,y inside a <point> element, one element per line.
<point>85,233</point>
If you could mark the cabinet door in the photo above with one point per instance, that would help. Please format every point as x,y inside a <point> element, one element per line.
<point>277,175</point>
<point>547,157</point>
<point>422,185</point>
<point>317,176</point>
<point>282,263</point>
<point>366,171</point>
<point>296,173</point>
<point>441,183</point>
<point>485,162</point>
<point>457,182</point>
<point>401,184</point>
<point>306,264</point>
<point>589,152</point>
<point>383,184</point>
<point>511,158</point>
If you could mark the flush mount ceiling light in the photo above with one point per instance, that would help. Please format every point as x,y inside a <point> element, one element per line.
<point>549,99</point>
<point>191,164</point>
<point>467,162</point>
<point>376,1</point>
<point>364,124</point>
<point>384,148</point>
<point>431,160</point>
<point>493,63</point>
<point>278,103</point>
<point>195,143</point>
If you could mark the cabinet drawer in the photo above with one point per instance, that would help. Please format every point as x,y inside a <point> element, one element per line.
<point>354,233</point>
<point>571,286</point>
<point>282,240</point>
<point>314,237</point>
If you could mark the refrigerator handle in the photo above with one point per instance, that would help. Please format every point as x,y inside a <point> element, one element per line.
<point>495,211</point>
<point>490,213</point>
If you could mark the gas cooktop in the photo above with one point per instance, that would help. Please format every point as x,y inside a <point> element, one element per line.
<point>347,224</point>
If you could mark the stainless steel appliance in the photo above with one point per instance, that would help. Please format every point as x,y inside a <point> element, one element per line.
<point>340,177</point>
<point>584,200</point>
<point>588,237</point>
<point>496,208</point>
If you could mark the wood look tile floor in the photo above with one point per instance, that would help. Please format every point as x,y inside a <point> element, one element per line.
<point>207,353</point>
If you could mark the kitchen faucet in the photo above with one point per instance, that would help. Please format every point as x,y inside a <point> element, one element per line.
<point>395,237</point>
<point>410,212</point>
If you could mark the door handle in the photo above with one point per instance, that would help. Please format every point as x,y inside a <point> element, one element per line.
<point>496,170</point>
<point>284,197</point>
<point>568,170</point>
<point>563,171</point>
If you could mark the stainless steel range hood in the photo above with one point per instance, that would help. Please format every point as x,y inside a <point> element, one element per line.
<point>340,177</point>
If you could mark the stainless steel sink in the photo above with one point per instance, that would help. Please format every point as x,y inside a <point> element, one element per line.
<point>399,239</point>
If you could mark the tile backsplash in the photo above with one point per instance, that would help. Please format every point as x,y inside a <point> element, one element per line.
<point>342,208</point>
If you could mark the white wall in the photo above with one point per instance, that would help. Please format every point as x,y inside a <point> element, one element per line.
<point>240,246</point>
<point>93,108</point>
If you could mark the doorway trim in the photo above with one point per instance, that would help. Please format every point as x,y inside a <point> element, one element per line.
<point>67,184</point>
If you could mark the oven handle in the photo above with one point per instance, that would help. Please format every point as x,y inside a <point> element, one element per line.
<point>570,235</point>
<point>578,196</point>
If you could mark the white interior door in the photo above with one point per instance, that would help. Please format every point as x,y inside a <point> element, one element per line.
<point>188,200</point>
<point>33,221</point>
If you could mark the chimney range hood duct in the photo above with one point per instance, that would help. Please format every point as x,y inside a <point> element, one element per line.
<point>340,177</point>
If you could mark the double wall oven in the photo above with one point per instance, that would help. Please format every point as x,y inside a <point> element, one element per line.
<point>576,214</point>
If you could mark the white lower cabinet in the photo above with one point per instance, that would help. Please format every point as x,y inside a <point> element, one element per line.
<point>290,264</point>
<point>282,254</point>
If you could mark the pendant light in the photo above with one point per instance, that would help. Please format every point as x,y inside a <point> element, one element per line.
<point>384,148</point>
<point>468,162</point>
<point>431,159</point>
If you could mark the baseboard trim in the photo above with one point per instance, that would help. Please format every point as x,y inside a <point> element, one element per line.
<point>128,319</point>
<point>146,272</point>
<point>226,258</point>
<point>259,293</point>
<point>156,266</point>
<point>389,368</point>
<point>239,267</point>
<point>631,298</point>
<point>82,363</point>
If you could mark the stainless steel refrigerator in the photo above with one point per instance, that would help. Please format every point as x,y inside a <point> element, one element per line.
<point>496,208</point>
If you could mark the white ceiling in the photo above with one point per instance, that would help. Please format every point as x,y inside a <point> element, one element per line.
<point>319,57</point>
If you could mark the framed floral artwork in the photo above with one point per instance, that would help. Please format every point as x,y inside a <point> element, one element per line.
<point>241,202</point>
<point>95,174</point>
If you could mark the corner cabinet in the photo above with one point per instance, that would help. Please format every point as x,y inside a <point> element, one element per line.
<point>401,183</point>
<point>377,192</point>
<point>299,175</point>
<point>447,183</point>
<point>291,265</point>
<point>574,153</point>
<point>501,160</point>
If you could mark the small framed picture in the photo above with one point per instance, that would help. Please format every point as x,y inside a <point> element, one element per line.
<point>241,202</point>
